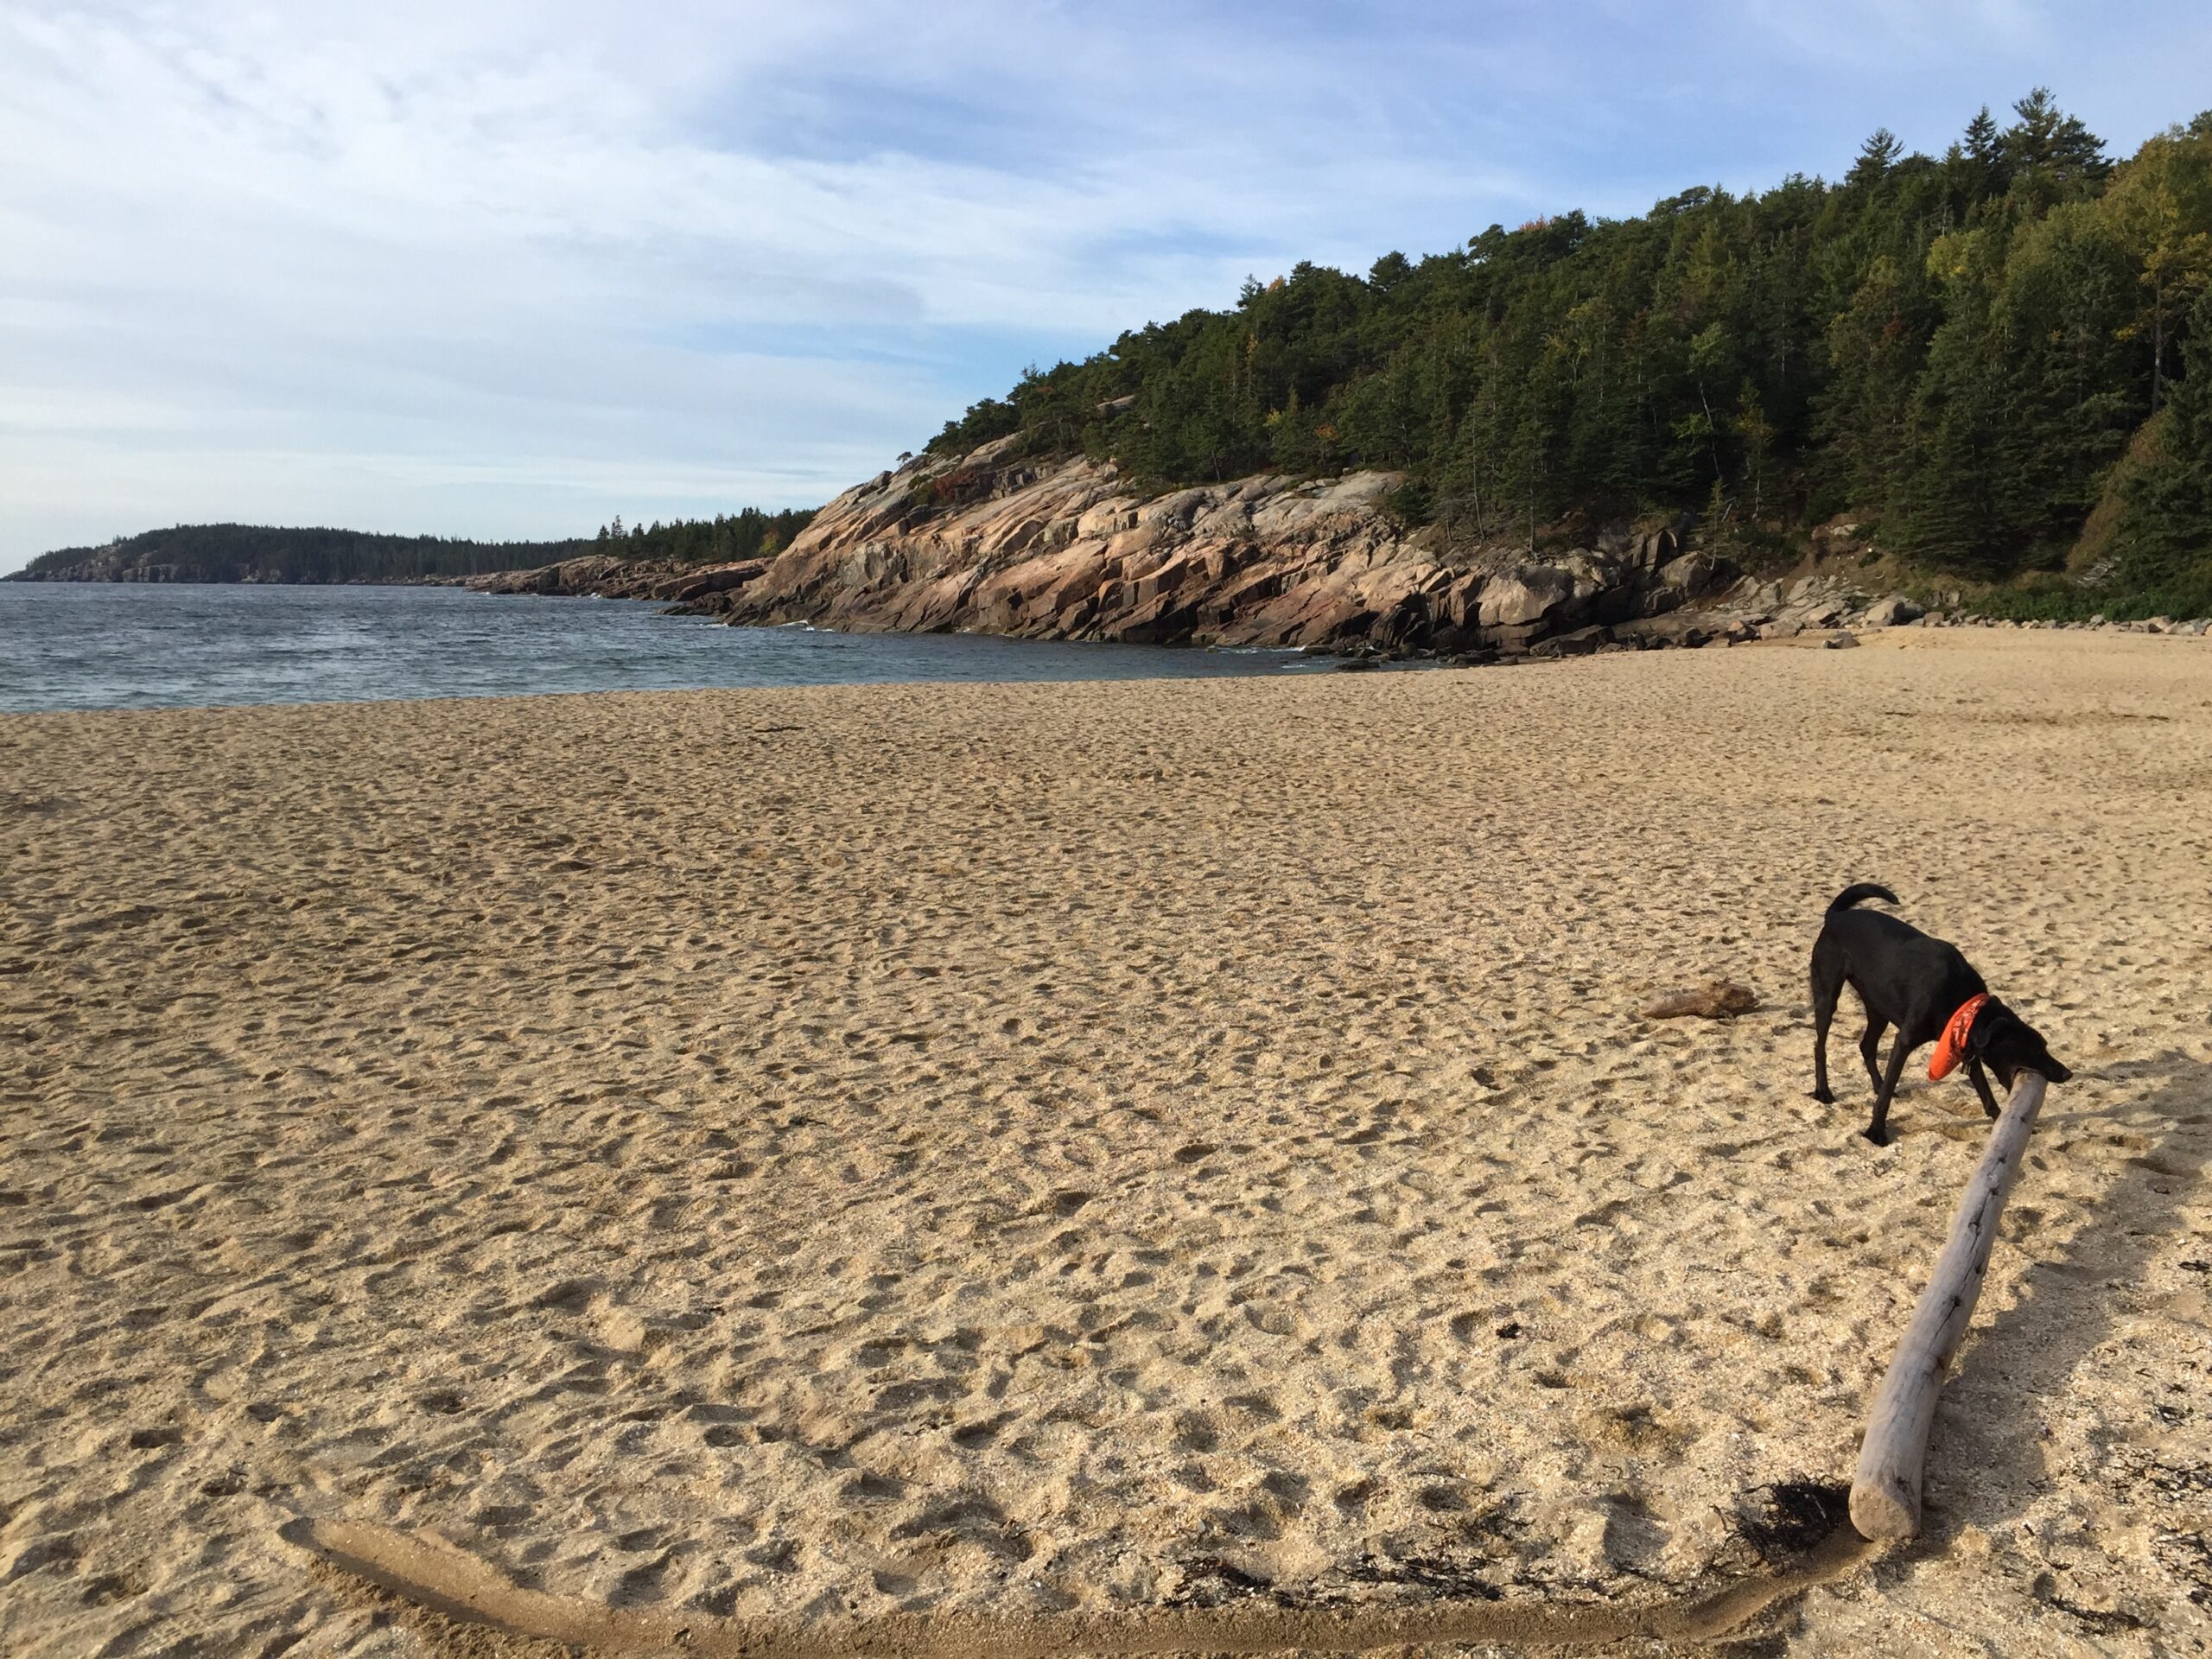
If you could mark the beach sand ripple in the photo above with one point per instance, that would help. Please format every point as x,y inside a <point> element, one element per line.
<point>810,1153</point>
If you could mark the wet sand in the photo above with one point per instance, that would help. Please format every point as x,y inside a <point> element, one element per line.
<point>809,1157</point>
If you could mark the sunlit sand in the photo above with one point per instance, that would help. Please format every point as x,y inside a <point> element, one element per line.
<point>805,1155</point>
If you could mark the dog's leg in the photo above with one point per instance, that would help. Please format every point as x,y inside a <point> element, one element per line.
<point>1877,1130</point>
<point>1981,1087</point>
<point>1869,1048</point>
<point>1828,986</point>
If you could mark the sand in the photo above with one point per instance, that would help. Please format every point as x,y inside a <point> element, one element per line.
<point>1075,1151</point>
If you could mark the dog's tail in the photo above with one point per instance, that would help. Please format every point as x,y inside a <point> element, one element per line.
<point>1858,891</point>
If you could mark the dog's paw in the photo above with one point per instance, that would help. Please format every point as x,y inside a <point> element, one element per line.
<point>1882,1140</point>
<point>1824,1096</point>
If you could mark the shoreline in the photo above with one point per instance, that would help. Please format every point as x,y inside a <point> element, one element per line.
<point>1001,1150</point>
<point>206,647</point>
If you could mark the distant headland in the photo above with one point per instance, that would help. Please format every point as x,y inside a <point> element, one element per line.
<point>262,553</point>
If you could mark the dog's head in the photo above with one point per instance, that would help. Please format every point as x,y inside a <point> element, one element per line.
<point>2008,1046</point>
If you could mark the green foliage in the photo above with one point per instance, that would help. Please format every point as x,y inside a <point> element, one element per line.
<point>985,422</point>
<point>748,534</point>
<point>2046,601</point>
<point>1961,345</point>
<point>2028,392</point>
<point>263,553</point>
<point>2164,537</point>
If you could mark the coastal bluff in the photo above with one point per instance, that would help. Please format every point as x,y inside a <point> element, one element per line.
<point>1068,550</point>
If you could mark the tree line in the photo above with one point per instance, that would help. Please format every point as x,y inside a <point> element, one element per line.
<point>725,539</point>
<point>2001,356</point>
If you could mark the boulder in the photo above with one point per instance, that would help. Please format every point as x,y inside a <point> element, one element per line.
<point>1593,572</point>
<point>1514,640</point>
<point>1529,594</point>
<point>1651,633</point>
<point>1690,574</point>
<point>1582,642</point>
<point>1459,604</point>
<point>1653,549</point>
<point>1893,612</point>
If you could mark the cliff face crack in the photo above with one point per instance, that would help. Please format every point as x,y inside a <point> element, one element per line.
<point>437,1576</point>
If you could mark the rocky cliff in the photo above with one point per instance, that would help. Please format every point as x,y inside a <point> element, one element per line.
<point>1069,551</point>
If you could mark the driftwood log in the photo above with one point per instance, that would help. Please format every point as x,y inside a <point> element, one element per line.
<point>1885,1491</point>
<point>1715,999</point>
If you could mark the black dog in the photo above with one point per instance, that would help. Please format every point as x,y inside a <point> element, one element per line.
<point>1924,987</point>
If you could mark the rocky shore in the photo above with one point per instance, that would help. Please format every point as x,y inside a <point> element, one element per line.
<point>997,543</point>
<point>1068,550</point>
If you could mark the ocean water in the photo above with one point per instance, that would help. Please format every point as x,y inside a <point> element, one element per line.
<point>131,646</point>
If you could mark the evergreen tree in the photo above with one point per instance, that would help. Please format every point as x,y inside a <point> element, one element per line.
<point>1983,143</point>
<point>1876,157</point>
<point>2160,205</point>
<point>1875,346</point>
<point>1980,163</point>
<point>1960,347</point>
<point>2165,537</point>
<point>2052,147</point>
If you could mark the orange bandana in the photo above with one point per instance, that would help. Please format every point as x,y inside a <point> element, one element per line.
<point>1951,1048</point>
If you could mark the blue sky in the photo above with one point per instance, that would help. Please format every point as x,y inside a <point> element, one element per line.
<point>511,269</point>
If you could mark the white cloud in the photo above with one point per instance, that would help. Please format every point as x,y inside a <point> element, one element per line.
<point>475,232</point>
<point>503,268</point>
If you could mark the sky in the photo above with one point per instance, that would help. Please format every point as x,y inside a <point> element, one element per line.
<point>507,268</point>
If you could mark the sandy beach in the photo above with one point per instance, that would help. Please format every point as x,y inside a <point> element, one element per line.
<point>785,1160</point>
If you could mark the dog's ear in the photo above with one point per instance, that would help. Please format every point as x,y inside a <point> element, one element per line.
<point>1988,1020</point>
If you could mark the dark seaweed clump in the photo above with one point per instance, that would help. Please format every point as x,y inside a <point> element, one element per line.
<point>1790,1517</point>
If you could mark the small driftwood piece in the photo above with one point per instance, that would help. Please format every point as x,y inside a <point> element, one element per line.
<point>1885,1491</point>
<point>1715,999</point>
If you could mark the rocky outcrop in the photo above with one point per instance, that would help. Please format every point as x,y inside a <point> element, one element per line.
<point>1069,551</point>
<point>604,576</point>
<point>1893,612</point>
<point>1810,605</point>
